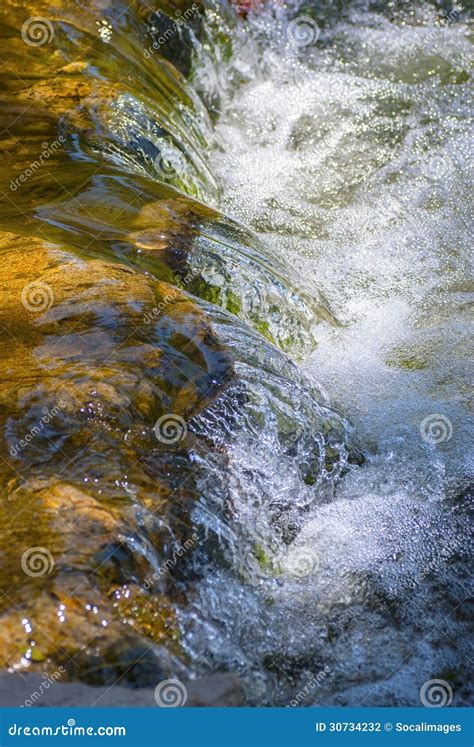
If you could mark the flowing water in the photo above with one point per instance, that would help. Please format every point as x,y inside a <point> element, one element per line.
<point>312,347</point>
<point>350,154</point>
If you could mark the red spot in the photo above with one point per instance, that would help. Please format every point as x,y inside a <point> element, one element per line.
<point>245,6</point>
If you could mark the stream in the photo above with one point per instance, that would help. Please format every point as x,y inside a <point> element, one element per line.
<point>235,382</point>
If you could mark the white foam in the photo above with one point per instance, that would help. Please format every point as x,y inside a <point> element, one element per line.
<point>351,159</point>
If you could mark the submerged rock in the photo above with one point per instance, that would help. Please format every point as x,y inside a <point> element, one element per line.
<point>83,381</point>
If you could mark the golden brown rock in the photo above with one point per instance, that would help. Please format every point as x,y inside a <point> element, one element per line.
<point>80,372</point>
<point>97,343</point>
